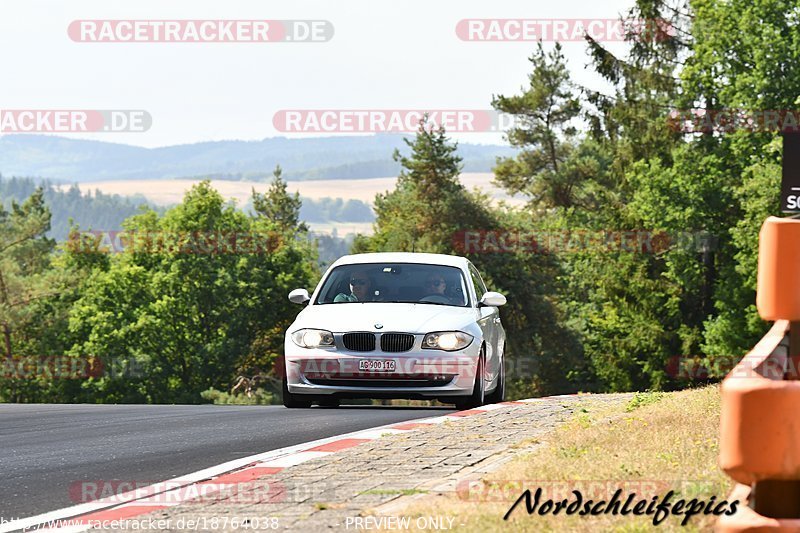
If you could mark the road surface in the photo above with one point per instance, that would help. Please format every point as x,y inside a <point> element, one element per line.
<point>46,449</point>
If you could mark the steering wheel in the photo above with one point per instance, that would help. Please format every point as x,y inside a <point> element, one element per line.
<point>436,299</point>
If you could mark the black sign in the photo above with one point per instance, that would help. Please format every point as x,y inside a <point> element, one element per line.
<point>790,183</point>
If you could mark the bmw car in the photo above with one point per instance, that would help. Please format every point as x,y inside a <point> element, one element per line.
<point>396,325</point>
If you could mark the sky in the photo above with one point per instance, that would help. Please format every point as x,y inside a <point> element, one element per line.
<point>383,55</point>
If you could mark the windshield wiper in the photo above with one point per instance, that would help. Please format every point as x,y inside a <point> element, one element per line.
<point>407,302</point>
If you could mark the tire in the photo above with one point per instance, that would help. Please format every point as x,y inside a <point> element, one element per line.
<point>293,401</point>
<point>330,403</point>
<point>477,398</point>
<point>499,393</point>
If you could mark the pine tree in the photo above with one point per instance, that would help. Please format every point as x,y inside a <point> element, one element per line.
<point>429,204</point>
<point>544,113</point>
<point>25,276</point>
<point>278,206</point>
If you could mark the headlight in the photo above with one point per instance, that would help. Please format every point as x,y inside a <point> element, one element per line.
<point>448,341</point>
<point>313,338</point>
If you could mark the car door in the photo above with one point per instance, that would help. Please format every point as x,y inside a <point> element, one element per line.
<point>489,322</point>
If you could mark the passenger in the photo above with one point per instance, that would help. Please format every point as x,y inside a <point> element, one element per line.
<point>435,285</point>
<point>360,288</point>
<point>435,288</point>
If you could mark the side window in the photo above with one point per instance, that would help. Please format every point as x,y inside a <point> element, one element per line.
<point>480,288</point>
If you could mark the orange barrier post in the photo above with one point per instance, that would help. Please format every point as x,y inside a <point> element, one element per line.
<point>760,419</point>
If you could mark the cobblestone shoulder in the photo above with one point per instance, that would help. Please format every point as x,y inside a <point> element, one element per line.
<point>335,491</point>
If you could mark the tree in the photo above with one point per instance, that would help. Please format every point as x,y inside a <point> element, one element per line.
<point>192,301</point>
<point>632,309</point>
<point>730,55</point>
<point>429,204</point>
<point>632,122</point>
<point>544,130</point>
<point>37,288</point>
<point>25,276</point>
<point>746,57</point>
<point>278,206</point>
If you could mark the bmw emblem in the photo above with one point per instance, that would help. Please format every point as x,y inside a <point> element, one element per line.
<point>378,326</point>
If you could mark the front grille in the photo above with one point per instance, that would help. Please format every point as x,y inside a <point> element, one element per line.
<point>359,342</point>
<point>382,383</point>
<point>396,342</point>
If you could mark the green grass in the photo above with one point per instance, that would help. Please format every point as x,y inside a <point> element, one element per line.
<point>641,399</point>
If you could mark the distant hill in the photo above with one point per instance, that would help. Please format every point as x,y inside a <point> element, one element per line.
<point>344,157</point>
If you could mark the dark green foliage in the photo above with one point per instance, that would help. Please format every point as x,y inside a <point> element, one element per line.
<point>68,206</point>
<point>172,320</point>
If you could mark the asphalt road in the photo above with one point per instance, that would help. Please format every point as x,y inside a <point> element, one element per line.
<point>45,449</point>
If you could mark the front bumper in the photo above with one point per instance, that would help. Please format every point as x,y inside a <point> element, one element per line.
<point>419,374</point>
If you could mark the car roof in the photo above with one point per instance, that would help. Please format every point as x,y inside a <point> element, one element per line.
<point>403,257</point>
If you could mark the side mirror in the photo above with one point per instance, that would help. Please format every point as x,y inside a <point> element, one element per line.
<point>492,299</point>
<point>299,296</point>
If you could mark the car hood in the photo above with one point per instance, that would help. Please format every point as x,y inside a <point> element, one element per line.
<point>411,318</point>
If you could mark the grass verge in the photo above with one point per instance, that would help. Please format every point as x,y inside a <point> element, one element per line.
<point>655,443</point>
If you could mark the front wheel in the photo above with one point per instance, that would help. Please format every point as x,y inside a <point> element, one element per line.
<point>499,393</point>
<point>293,401</point>
<point>477,398</point>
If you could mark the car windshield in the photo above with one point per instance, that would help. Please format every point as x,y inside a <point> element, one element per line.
<point>395,282</point>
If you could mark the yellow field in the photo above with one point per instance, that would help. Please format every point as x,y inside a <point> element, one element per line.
<point>165,192</point>
<point>171,191</point>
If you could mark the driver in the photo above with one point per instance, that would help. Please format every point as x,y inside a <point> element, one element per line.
<point>360,286</point>
<point>435,286</point>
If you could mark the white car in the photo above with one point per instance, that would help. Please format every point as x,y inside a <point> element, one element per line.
<point>396,325</point>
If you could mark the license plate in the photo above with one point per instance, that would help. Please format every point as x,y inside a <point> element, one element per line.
<point>377,365</point>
